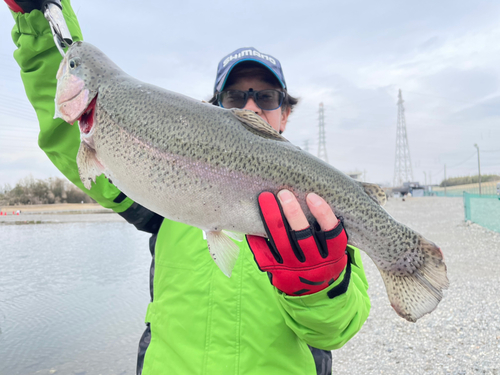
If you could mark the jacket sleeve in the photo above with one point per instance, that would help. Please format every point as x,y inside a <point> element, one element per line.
<point>39,60</point>
<point>331,317</point>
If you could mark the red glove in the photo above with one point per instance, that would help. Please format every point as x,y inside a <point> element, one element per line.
<point>300,262</point>
<point>26,6</point>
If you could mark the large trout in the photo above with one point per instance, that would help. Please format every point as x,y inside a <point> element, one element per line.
<point>205,166</point>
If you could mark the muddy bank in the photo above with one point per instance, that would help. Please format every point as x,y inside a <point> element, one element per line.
<point>56,213</point>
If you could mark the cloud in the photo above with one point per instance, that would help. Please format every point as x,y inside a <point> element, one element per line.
<point>351,55</point>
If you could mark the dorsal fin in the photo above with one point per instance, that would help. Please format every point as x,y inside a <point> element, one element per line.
<point>375,192</point>
<point>257,125</point>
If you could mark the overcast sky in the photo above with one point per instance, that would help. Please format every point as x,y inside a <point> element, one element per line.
<point>351,55</point>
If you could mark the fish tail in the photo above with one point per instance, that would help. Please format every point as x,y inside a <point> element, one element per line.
<point>415,283</point>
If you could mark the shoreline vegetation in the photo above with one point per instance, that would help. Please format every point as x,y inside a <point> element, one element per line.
<point>31,191</point>
<point>57,214</point>
<point>52,208</point>
<point>56,194</point>
<point>467,180</point>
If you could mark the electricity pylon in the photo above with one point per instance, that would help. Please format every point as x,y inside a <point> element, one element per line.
<point>322,144</point>
<point>403,171</point>
<point>306,145</point>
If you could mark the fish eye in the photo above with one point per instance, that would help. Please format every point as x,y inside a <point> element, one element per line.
<point>73,63</point>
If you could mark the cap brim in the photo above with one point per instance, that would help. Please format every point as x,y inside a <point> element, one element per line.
<point>224,78</point>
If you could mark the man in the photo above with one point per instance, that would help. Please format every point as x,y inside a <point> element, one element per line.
<point>199,321</point>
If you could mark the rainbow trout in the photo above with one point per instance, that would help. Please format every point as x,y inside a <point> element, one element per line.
<point>205,166</point>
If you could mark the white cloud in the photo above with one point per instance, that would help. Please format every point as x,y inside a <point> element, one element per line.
<point>351,55</point>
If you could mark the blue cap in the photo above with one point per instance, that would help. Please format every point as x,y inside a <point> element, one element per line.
<point>247,54</point>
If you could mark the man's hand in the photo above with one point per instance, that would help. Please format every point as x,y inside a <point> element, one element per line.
<point>301,259</point>
<point>26,6</point>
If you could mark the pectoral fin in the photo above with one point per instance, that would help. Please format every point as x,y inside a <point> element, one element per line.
<point>89,166</point>
<point>223,251</point>
<point>235,236</point>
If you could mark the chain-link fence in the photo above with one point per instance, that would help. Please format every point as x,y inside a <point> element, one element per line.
<point>487,188</point>
<point>483,210</point>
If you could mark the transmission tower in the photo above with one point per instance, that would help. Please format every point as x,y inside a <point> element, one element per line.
<point>306,145</point>
<point>402,165</point>
<point>322,144</point>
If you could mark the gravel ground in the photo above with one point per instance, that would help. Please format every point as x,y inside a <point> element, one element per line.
<point>462,336</point>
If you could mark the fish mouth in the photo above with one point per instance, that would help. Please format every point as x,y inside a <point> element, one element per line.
<point>70,109</point>
<point>86,120</point>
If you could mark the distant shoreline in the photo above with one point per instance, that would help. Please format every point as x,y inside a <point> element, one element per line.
<point>61,208</point>
<point>57,213</point>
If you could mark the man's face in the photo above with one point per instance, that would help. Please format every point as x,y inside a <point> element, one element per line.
<point>257,79</point>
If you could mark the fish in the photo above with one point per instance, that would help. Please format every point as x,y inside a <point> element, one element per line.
<point>203,165</point>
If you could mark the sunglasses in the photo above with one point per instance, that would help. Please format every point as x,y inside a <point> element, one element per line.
<point>267,100</point>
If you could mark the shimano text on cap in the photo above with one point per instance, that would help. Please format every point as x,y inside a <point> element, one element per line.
<point>247,54</point>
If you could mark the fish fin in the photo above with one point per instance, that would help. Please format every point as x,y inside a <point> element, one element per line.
<point>223,251</point>
<point>88,166</point>
<point>415,283</point>
<point>375,192</point>
<point>235,236</point>
<point>257,125</point>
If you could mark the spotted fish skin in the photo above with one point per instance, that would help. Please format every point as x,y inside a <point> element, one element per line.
<point>205,166</point>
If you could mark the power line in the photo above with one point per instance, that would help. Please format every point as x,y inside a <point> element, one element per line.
<point>13,105</point>
<point>20,116</point>
<point>15,127</point>
<point>20,111</point>
<point>20,139</point>
<point>436,174</point>
<point>342,106</point>
<point>31,136</point>
<point>18,130</point>
<point>453,100</point>
<point>456,165</point>
<point>18,104</point>
<point>12,150</point>
<point>384,118</point>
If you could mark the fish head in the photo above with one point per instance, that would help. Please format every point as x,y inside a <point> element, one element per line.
<point>83,73</point>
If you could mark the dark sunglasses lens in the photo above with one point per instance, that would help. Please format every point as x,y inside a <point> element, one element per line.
<point>269,99</point>
<point>233,99</point>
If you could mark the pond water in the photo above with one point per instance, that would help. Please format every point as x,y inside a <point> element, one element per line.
<point>73,297</point>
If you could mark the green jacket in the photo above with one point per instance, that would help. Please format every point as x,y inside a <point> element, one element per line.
<point>200,321</point>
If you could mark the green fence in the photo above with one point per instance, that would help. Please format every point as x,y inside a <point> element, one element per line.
<point>450,193</point>
<point>487,188</point>
<point>483,210</point>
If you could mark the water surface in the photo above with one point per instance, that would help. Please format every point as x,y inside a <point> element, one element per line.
<point>73,297</point>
